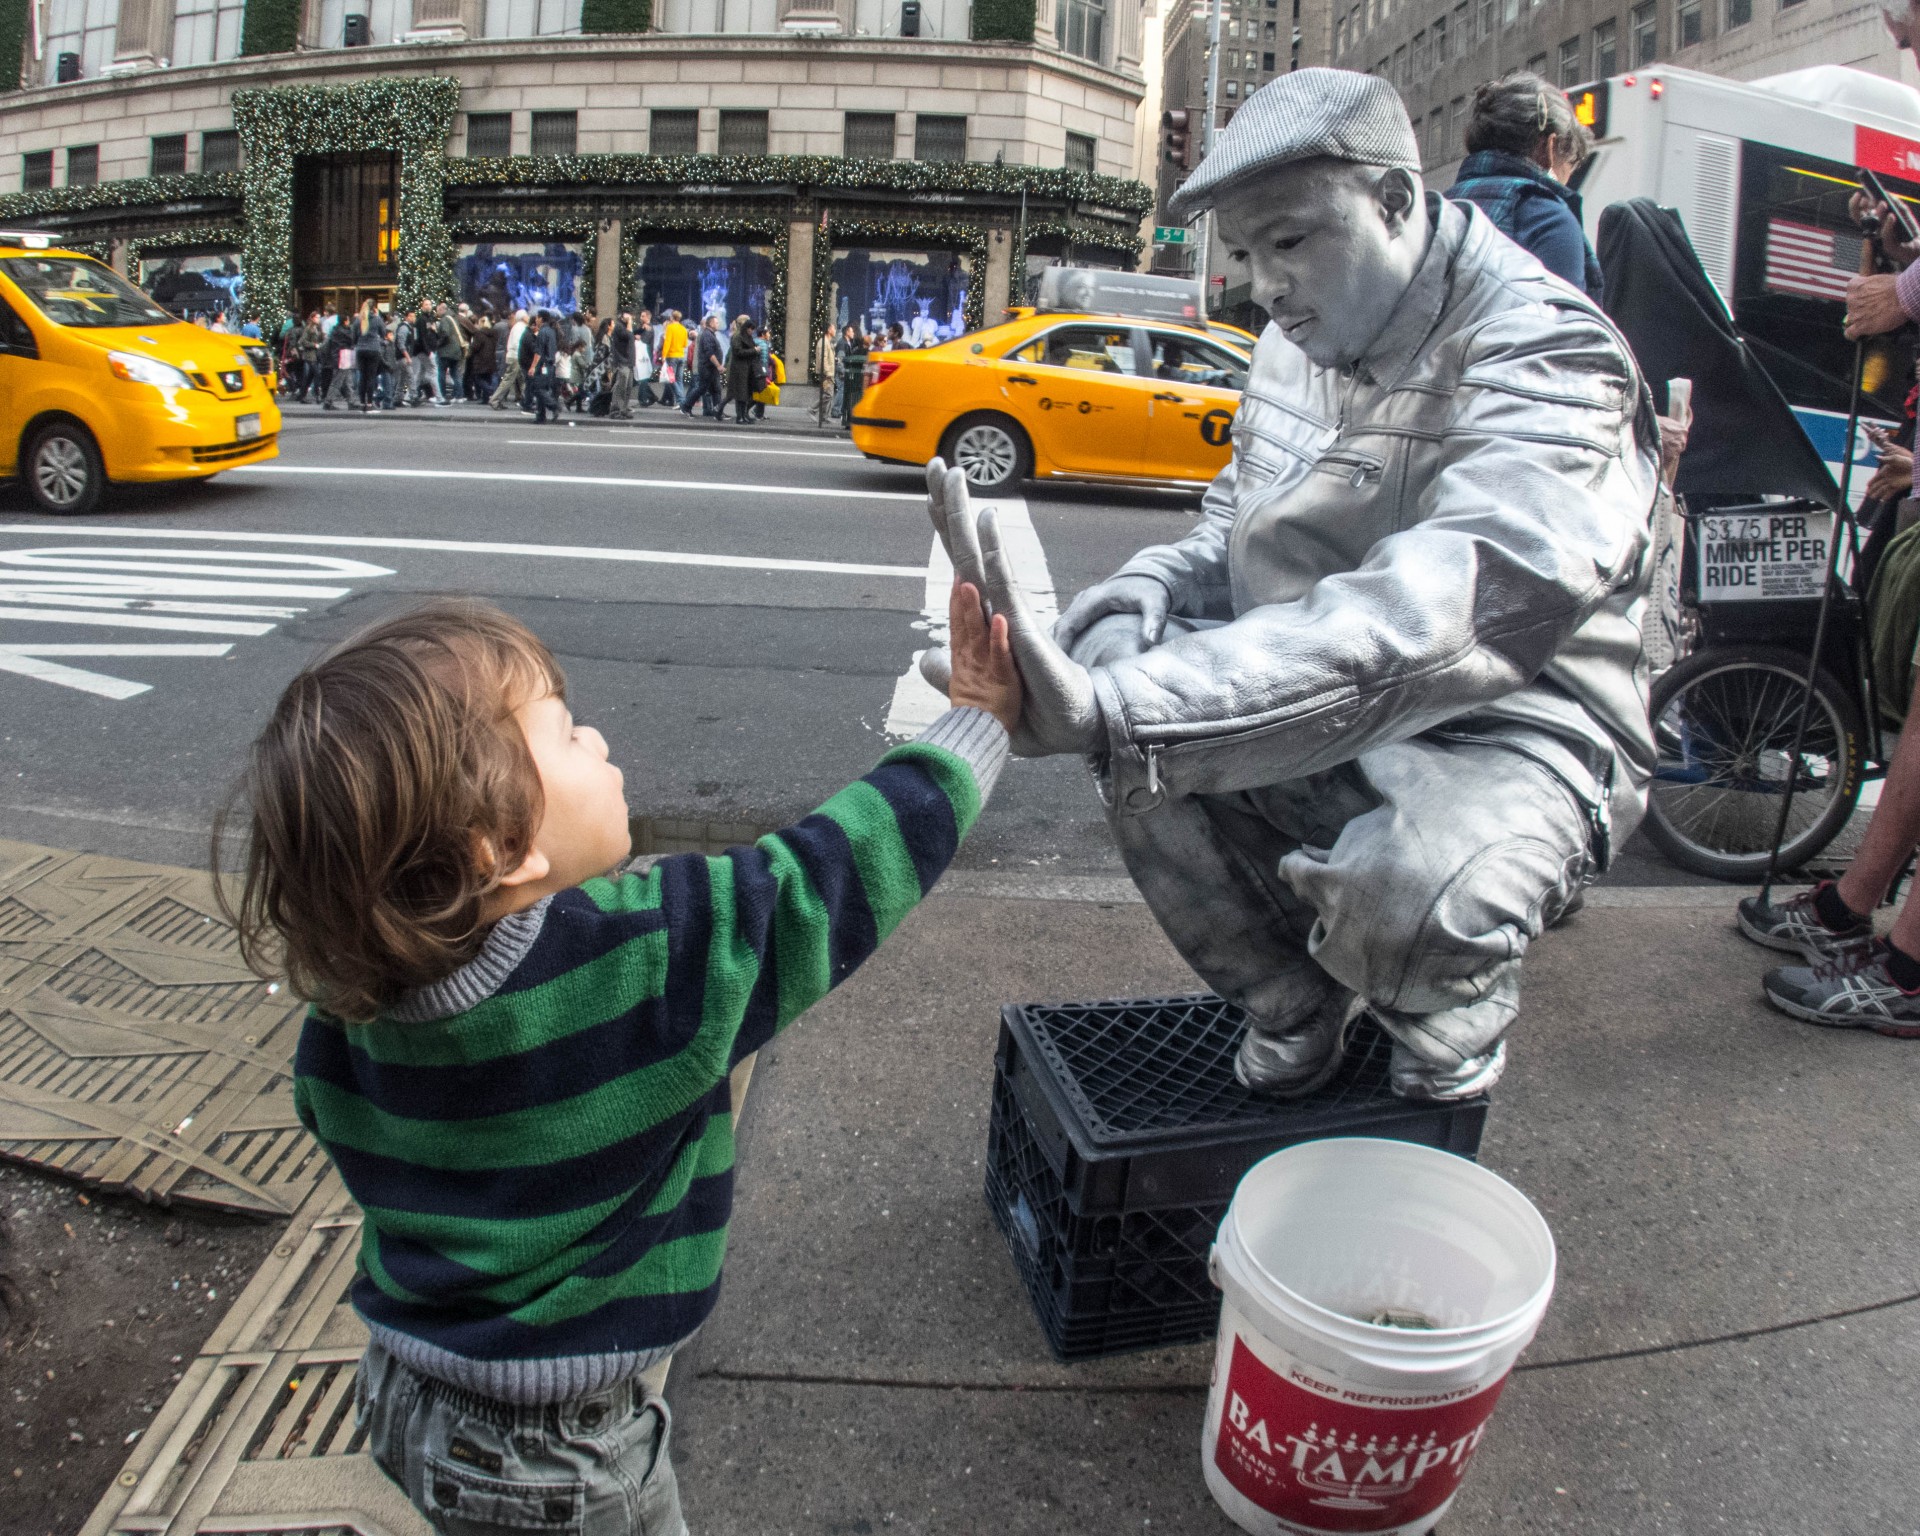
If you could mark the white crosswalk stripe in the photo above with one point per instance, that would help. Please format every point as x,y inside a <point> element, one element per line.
<point>89,586</point>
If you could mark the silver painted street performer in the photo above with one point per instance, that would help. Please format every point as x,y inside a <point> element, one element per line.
<point>1371,726</point>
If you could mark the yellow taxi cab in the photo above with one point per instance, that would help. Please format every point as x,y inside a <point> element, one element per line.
<point>1142,397</point>
<point>99,384</point>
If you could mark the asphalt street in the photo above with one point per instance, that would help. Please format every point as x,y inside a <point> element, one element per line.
<point>737,610</point>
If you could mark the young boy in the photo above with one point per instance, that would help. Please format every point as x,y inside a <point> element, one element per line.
<point>519,1063</point>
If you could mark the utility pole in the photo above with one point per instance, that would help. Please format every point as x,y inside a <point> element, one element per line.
<point>1206,148</point>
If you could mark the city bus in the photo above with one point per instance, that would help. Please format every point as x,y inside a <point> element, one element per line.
<point>1760,173</point>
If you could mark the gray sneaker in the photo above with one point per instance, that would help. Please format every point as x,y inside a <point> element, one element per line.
<point>1413,1078</point>
<point>1793,926</point>
<point>1289,1063</point>
<point>1851,991</point>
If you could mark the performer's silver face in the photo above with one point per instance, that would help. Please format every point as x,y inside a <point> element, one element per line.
<point>1325,244</point>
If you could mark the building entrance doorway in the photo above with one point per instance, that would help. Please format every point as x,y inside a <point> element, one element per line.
<point>346,229</point>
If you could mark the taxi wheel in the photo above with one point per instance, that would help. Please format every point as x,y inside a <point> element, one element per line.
<point>62,469</point>
<point>990,450</point>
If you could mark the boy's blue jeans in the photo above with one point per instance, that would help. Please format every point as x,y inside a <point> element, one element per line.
<point>595,1466</point>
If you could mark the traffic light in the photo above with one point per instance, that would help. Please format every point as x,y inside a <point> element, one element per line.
<point>1176,139</point>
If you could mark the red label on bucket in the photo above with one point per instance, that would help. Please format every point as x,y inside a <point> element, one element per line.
<point>1335,1458</point>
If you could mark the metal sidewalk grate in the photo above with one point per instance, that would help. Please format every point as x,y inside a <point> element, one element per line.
<point>260,1434</point>
<point>136,1051</point>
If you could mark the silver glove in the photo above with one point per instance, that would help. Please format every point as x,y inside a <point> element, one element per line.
<point>1061,713</point>
<point>1145,595</point>
<point>952,516</point>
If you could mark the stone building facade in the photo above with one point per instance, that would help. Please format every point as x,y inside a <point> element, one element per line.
<point>808,168</point>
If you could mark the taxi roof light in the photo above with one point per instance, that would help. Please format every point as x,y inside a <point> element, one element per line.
<point>26,239</point>
<point>1136,295</point>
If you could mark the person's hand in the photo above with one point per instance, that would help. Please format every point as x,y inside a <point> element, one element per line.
<point>982,673</point>
<point>1060,712</point>
<point>1893,479</point>
<point>1873,306</point>
<point>1673,443</point>
<point>1145,595</point>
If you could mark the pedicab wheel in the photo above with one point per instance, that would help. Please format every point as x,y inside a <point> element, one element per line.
<point>62,470</point>
<point>1723,729</point>
<point>990,450</point>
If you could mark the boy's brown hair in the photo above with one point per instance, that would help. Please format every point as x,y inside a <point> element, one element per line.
<point>385,799</point>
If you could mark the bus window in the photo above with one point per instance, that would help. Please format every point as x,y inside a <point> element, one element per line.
<point>1798,247</point>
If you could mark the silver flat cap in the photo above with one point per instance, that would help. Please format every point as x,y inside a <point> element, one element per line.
<point>1311,114</point>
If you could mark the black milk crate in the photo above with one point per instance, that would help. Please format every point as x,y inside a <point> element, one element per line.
<point>1117,1137</point>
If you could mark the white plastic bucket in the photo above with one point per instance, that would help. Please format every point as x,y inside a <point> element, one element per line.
<point>1322,1422</point>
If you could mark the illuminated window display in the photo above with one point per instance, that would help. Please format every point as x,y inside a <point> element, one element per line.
<point>499,276</point>
<point>198,283</point>
<point>701,280</point>
<point>923,292</point>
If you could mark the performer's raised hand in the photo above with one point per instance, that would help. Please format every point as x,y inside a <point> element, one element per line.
<point>952,515</point>
<point>952,512</point>
<point>1062,714</point>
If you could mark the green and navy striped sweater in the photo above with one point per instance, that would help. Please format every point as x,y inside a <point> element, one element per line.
<point>543,1143</point>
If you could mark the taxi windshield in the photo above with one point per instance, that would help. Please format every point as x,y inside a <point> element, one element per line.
<point>73,291</point>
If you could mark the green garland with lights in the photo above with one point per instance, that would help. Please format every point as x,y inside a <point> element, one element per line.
<point>1009,21</point>
<point>616,15</point>
<point>822,172</point>
<point>13,44</point>
<point>773,232</point>
<point>229,235</point>
<point>136,192</point>
<point>582,231</point>
<point>269,26</point>
<point>1097,235</point>
<point>970,240</point>
<point>410,114</point>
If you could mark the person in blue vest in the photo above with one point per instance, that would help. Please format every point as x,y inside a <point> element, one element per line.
<point>1523,146</point>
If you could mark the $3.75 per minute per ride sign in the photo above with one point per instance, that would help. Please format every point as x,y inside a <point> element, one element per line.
<point>1763,556</point>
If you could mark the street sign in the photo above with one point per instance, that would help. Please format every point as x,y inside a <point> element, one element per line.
<point>1171,234</point>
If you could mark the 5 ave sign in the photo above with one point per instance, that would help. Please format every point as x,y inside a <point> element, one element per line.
<point>1172,234</point>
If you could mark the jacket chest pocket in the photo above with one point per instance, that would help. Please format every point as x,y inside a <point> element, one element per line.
<point>1361,471</point>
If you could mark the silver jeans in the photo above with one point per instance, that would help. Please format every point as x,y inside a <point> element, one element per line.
<point>595,1466</point>
<point>1415,875</point>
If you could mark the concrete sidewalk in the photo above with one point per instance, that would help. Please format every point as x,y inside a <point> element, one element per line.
<point>1732,1347</point>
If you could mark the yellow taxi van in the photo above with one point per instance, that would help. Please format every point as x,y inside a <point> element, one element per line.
<point>99,384</point>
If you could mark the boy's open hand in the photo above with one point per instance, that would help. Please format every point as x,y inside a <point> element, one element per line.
<point>983,675</point>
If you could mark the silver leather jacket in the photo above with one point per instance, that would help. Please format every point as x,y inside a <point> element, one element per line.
<point>1450,537</point>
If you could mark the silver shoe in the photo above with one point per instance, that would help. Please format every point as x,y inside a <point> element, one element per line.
<point>1416,1079</point>
<point>1287,1063</point>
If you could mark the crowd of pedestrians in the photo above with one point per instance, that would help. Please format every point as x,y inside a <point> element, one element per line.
<point>543,362</point>
<point>840,363</point>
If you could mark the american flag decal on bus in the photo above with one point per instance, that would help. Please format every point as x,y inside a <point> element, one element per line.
<point>1804,259</point>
